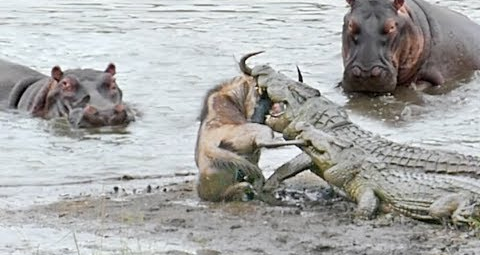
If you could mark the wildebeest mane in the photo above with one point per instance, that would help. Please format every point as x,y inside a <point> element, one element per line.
<point>204,111</point>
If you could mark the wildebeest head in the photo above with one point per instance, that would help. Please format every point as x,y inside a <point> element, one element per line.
<point>231,102</point>
<point>380,45</point>
<point>87,97</point>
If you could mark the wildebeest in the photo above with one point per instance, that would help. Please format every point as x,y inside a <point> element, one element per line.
<point>228,143</point>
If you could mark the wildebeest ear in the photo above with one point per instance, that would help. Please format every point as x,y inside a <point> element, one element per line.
<point>398,4</point>
<point>111,69</point>
<point>350,2</point>
<point>57,73</point>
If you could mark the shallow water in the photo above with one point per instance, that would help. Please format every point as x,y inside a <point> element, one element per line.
<point>168,53</point>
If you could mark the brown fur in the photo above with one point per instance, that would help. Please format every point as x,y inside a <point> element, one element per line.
<point>228,144</point>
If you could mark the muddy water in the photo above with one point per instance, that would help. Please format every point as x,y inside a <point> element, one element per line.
<point>168,53</point>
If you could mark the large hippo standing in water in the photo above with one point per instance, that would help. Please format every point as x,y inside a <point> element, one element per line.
<point>86,97</point>
<point>388,43</point>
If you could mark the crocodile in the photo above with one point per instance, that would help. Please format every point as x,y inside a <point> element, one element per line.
<point>374,185</point>
<point>298,101</point>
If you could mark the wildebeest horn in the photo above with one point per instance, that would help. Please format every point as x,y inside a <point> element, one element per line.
<point>300,76</point>
<point>243,66</point>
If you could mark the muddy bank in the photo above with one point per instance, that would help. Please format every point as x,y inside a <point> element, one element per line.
<point>170,219</point>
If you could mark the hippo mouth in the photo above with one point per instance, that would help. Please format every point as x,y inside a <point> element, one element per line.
<point>88,117</point>
<point>380,79</point>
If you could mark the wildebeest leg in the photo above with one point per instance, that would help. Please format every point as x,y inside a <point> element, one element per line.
<point>291,168</point>
<point>242,191</point>
<point>249,190</point>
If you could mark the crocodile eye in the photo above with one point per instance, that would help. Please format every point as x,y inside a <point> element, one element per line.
<point>353,27</point>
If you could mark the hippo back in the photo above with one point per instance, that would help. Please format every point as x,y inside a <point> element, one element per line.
<point>11,74</point>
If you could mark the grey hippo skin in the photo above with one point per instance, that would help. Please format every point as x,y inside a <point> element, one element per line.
<point>388,43</point>
<point>86,97</point>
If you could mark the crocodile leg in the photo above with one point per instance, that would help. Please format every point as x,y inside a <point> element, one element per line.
<point>367,203</point>
<point>275,144</point>
<point>291,168</point>
<point>345,176</point>
<point>468,213</point>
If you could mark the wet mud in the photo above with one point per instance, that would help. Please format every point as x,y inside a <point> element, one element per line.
<point>169,219</point>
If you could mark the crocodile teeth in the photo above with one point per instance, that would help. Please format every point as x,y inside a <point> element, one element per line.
<point>260,91</point>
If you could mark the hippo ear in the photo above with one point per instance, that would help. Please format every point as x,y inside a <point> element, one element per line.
<point>57,73</point>
<point>398,4</point>
<point>111,69</point>
<point>350,2</point>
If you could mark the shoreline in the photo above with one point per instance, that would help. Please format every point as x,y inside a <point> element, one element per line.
<point>170,219</point>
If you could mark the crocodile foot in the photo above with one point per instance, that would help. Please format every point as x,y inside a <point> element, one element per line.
<point>461,209</point>
<point>318,138</point>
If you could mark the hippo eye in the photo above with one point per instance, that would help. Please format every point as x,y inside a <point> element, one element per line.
<point>111,83</point>
<point>353,28</point>
<point>390,27</point>
<point>67,86</point>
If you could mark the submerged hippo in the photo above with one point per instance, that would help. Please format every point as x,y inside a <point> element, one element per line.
<point>86,97</point>
<point>388,43</point>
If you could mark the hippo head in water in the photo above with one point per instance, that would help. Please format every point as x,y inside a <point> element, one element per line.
<point>87,97</point>
<point>381,46</point>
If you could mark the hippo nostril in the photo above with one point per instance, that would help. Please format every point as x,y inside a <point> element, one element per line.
<point>356,71</point>
<point>90,110</point>
<point>376,71</point>
<point>120,115</point>
<point>119,108</point>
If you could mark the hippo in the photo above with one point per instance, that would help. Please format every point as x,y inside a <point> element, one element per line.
<point>411,43</point>
<point>86,97</point>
